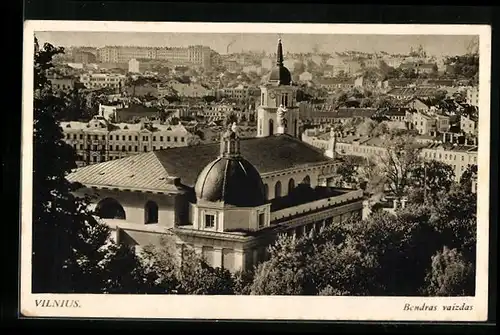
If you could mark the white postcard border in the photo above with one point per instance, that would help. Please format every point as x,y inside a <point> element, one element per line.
<point>258,307</point>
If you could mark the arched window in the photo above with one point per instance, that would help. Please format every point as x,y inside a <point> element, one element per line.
<point>306,180</point>
<point>271,127</point>
<point>291,185</point>
<point>266,191</point>
<point>150,212</point>
<point>110,208</point>
<point>277,189</point>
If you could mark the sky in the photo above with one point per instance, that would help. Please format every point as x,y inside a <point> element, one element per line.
<point>295,43</point>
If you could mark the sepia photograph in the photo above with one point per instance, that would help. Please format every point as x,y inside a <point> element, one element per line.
<point>187,170</point>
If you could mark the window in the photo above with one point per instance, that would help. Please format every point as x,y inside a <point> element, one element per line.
<point>104,137</point>
<point>137,138</point>
<point>136,148</point>
<point>95,137</point>
<point>154,138</point>
<point>144,138</point>
<point>150,212</point>
<point>81,136</point>
<point>123,148</point>
<point>209,221</point>
<point>81,146</point>
<point>168,138</point>
<point>74,136</point>
<point>277,189</point>
<point>145,148</point>
<point>129,148</point>
<point>110,137</point>
<point>94,147</point>
<point>262,220</point>
<point>130,138</point>
<point>154,148</point>
<point>182,139</point>
<point>175,138</point>
<point>161,138</point>
<point>123,138</point>
<point>110,148</point>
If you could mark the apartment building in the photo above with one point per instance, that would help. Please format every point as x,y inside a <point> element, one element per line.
<point>100,140</point>
<point>427,122</point>
<point>101,80</point>
<point>194,54</point>
<point>458,156</point>
<point>468,125</point>
<point>472,96</point>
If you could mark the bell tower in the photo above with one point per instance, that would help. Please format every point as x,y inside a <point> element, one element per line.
<point>278,112</point>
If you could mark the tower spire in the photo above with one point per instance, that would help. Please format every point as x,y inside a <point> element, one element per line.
<point>279,54</point>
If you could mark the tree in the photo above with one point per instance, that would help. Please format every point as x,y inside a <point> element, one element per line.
<point>401,157</point>
<point>366,128</point>
<point>346,171</point>
<point>468,175</point>
<point>69,245</point>
<point>380,129</point>
<point>209,98</point>
<point>434,178</point>
<point>231,118</point>
<point>455,218</point>
<point>184,272</point>
<point>285,272</point>
<point>451,275</point>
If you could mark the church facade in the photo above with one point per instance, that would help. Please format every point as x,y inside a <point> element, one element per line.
<point>230,201</point>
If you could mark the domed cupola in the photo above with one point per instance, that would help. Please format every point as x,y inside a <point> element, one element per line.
<point>230,179</point>
<point>279,74</point>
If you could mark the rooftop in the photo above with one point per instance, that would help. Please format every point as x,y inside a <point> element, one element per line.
<point>267,154</point>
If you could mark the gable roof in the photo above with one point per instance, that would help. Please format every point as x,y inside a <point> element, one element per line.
<point>267,154</point>
<point>142,171</point>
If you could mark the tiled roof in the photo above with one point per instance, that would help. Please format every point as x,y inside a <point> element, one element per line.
<point>267,154</point>
<point>142,171</point>
<point>413,91</point>
<point>356,112</point>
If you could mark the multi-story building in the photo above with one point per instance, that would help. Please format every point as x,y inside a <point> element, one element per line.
<point>332,84</point>
<point>472,96</point>
<point>239,92</point>
<point>459,156</point>
<point>100,140</point>
<point>64,83</point>
<point>194,54</point>
<point>468,125</point>
<point>101,80</point>
<point>427,123</point>
<point>133,66</point>
<point>84,57</point>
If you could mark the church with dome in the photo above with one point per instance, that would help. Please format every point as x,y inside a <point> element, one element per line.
<point>227,201</point>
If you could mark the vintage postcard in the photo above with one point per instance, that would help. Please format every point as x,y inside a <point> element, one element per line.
<point>255,171</point>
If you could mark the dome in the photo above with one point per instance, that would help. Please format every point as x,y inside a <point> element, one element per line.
<point>233,181</point>
<point>281,75</point>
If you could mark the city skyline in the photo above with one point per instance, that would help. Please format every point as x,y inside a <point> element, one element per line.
<point>436,45</point>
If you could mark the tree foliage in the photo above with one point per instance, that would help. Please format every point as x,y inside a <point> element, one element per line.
<point>450,275</point>
<point>433,178</point>
<point>188,273</point>
<point>72,251</point>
